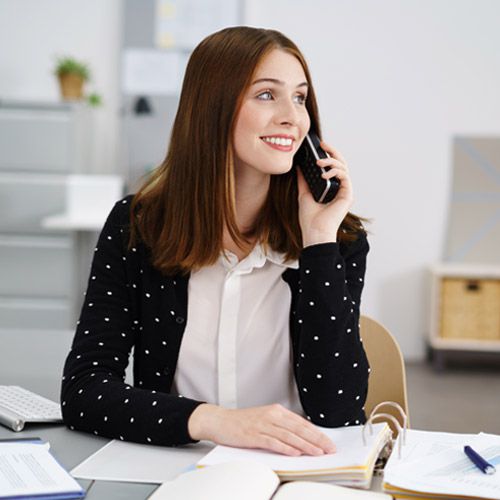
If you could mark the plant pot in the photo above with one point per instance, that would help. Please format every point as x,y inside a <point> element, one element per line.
<point>71,86</point>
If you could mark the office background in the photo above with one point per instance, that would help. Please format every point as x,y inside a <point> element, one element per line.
<point>396,82</point>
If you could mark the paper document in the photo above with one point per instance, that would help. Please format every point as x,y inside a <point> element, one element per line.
<point>422,444</point>
<point>28,469</point>
<point>449,472</point>
<point>152,72</point>
<point>140,463</point>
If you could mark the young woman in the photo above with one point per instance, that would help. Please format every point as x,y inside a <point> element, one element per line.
<point>237,292</point>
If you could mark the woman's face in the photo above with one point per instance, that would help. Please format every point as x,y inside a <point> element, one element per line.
<point>273,119</point>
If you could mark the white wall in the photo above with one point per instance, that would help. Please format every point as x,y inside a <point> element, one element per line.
<point>396,80</point>
<point>33,33</point>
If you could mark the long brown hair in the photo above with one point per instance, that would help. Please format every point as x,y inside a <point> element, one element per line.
<point>181,210</point>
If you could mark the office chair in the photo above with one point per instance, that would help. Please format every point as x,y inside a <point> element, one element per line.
<point>387,380</point>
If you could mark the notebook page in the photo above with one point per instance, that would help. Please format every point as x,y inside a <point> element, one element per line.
<point>350,454</point>
<point>241,480</point>
<point>301,490</point>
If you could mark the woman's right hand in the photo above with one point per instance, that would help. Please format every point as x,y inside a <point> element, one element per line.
<point>271,427</point>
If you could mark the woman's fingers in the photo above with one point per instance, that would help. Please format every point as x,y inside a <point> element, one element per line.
<point>272,443</point>
<point>331,162</point>
<point>271,427</point>
<point>294,440</point>
<point>335,153</point>
<point>304,435</point>
<point>335,172</point>
<point>320,440</point>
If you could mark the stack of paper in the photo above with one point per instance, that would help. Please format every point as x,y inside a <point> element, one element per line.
<point>351,465</point>
<point>27,469</point>
<point>434,465</point>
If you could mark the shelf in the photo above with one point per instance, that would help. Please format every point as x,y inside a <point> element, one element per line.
<point>464,270</point>
<point>465,303</point>
<point>67,222</point>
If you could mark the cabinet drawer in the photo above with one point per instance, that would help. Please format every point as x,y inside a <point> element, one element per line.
<point>35,266</point>
<point>470,309</point>
<point>26,200</point>
<point>40,141</point>
<point>37,314</point>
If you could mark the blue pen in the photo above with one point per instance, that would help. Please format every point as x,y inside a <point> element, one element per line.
<point>479,461</point>
<point>33,439</point>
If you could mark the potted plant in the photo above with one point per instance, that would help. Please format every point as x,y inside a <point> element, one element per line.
<point>72,75</point>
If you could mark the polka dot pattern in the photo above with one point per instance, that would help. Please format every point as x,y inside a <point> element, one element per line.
<point>129,305</point>
<point>328,353</point>
<point>96,398</point>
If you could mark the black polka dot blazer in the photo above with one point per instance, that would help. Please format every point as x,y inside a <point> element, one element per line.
<point>131,306</point>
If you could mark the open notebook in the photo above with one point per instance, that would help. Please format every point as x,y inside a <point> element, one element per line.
<point>351,465</point>
<point>251,481</point>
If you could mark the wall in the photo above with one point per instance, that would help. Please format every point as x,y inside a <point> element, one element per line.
<point>33,33</point>
<point>396,80</point>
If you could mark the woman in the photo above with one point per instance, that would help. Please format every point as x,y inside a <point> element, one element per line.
<point>238,293</point>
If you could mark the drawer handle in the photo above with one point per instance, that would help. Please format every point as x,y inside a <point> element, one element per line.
<point>473,286</point>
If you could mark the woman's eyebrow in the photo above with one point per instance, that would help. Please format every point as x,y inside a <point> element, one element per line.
<point>278,82</point>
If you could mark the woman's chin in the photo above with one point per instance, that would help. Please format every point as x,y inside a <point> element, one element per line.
<point>279,168</point>
<point>285,169</point>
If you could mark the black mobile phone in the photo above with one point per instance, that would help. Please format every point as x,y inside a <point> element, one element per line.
<point>323,190</point>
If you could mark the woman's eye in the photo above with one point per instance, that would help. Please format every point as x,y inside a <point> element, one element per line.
<point>267,96</point>
<point>301,98</point>
<point>266,93</point>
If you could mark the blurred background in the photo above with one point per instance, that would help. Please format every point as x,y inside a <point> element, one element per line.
<point>408,92</point>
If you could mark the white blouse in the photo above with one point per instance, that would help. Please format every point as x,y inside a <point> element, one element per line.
<point>236,349</point>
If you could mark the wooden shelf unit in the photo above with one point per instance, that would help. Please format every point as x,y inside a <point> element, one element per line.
<point>465,309</point>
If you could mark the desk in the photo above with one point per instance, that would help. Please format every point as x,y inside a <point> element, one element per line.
<point>71,447</point>
<point>34,360</point>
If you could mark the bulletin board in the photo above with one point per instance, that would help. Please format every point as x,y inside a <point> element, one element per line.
<point>158,38</point>
<point>474,216</point>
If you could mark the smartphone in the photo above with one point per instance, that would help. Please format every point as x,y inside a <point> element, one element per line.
<point>323,190</point>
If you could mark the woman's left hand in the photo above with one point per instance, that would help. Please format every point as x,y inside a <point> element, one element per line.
<point>320,222</point>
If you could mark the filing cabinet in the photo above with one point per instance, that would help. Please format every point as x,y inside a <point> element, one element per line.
<point>40,144</point>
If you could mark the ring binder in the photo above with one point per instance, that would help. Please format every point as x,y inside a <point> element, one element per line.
<point>401,429</point>
<point>393,404</point>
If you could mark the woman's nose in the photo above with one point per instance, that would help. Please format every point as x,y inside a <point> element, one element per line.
<point>288,113</point>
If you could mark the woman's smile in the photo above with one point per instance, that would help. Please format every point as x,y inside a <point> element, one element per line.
<point>280,142</point>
